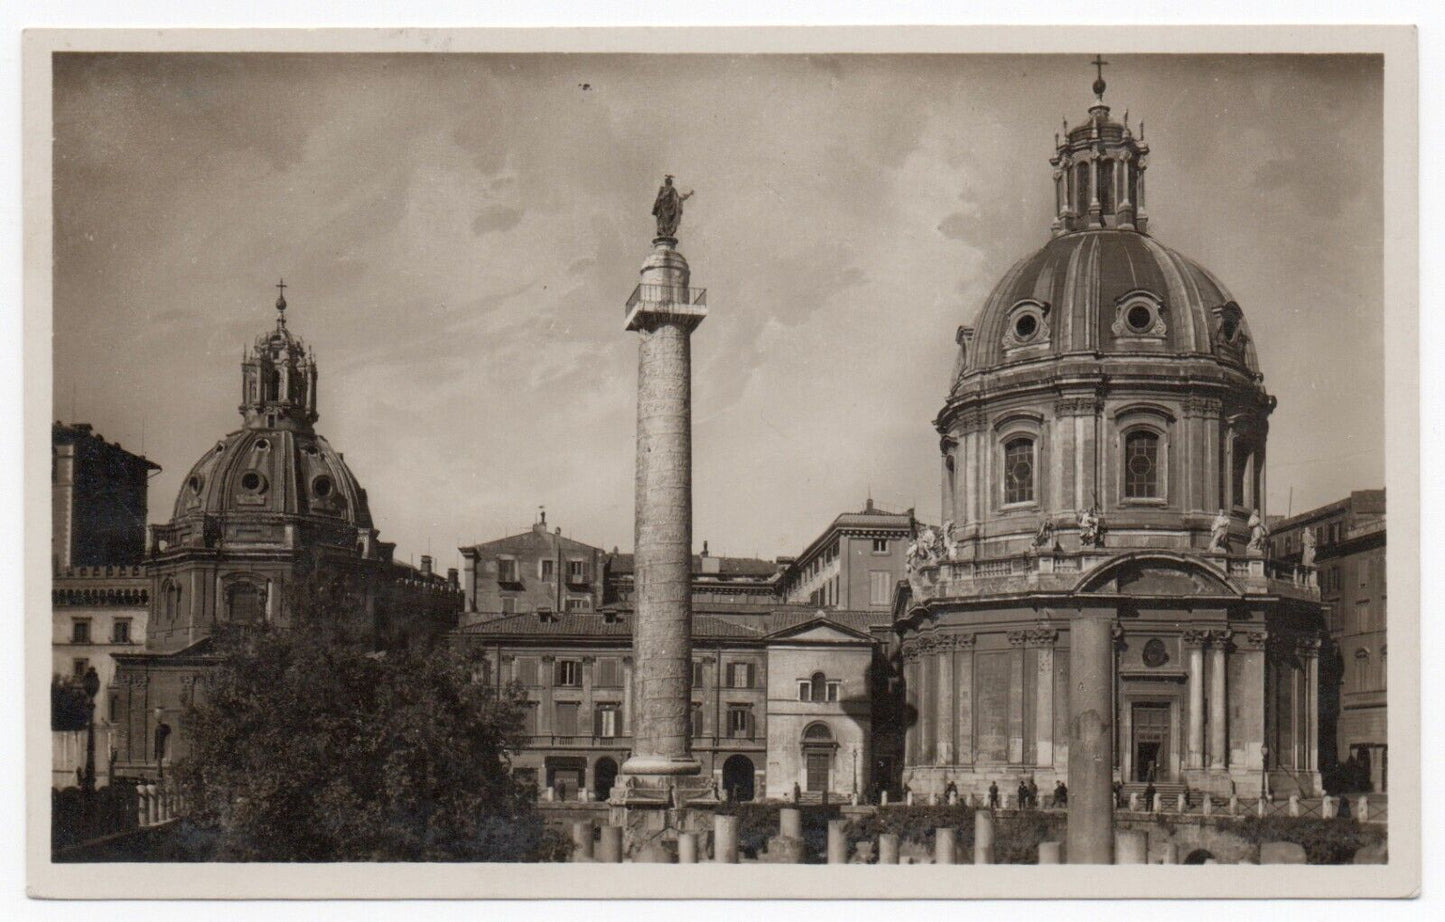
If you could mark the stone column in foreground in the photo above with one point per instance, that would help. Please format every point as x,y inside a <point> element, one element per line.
<point>664,311</point>
<point>1091,737</point>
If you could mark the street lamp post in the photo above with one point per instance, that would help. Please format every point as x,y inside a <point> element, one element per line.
<point>1264,772</point>
<point>91,685</point>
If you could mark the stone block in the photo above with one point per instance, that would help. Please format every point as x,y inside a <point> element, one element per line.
<point>1281,853</point>
<point>1131,847</point>
<point>888,848</point>
<point>785,850</point>
<point>1379,853</point>
<point>1051,853</point>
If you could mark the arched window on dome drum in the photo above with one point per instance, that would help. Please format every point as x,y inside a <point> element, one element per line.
<point>1241,480</point>
<point>1018,470</point>
<point>1081,187</point>
<point>1106,186</point>
<point>1141,465</point>
<point>245,604</point>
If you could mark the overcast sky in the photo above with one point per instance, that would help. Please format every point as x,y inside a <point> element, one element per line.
<point>460,232</point>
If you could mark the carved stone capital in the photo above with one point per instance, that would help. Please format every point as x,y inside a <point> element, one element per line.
<point>1196,638</point>
<point>1252,640</point>
<point>971,421</point>
<point>1201,406</point>
<point>964,641</point>
<point>1077,406</point>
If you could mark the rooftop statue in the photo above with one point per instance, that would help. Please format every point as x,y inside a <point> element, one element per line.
<point>667,207</point>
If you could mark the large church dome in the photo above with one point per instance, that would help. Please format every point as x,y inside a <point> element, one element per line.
<point>1111,291</point>
<point>1107,379</point>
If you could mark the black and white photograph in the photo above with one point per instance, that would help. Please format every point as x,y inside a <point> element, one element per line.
<point>533,458</point>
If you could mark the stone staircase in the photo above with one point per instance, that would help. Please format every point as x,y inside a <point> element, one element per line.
<point>1169,790</point>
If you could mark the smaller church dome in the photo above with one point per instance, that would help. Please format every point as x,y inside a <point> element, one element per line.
<point>277,465</point>
<point>267,472</point>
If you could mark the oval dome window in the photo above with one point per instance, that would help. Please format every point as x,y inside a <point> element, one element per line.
<point>1140,318</point>
<point>253,482</point>
<point>1026,326</point>
<point>321,486</point>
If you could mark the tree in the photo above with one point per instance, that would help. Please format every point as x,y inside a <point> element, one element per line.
<point>69,707</point>
<point>309,745</point>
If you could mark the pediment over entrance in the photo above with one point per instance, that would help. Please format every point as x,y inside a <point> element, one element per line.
<point>1155,574</point>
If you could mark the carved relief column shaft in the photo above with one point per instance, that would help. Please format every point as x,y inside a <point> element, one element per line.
<point>1091,737</point>
<point>1194,643</point>
<point>1218,701</point>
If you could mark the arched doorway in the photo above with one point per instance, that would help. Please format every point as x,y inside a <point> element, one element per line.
<point>1199,856</point>
<point>604,775</point>
<point>818,747</point>
<point>738,778</point>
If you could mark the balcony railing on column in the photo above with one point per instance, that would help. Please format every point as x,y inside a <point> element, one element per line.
<point>646,293</point>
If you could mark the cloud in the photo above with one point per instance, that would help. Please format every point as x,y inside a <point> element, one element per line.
<point>496,218</point>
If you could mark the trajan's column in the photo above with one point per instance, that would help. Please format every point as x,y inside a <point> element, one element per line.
<point>664,310</point>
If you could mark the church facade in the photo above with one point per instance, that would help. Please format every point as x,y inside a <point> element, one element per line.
<point>1103,446</point>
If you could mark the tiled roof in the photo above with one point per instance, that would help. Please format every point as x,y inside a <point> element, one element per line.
<point>594,625</point>
<point>705,625</point>
<point>624,564</point>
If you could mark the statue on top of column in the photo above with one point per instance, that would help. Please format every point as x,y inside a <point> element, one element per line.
<point>667,207</point>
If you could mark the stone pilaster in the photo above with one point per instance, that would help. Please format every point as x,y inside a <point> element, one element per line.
<point>1017,639</point>
<point>1044,639</point>
<point>945,710</point>
<point>963,674</point>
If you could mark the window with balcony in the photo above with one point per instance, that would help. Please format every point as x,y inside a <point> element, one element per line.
<point>608,721</point>
<point>567,718</point>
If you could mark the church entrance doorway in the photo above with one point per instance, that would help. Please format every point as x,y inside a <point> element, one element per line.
<point>1151,742</point>
<point>818,764</point>
<point>604,775</point>
<point>738,778</point>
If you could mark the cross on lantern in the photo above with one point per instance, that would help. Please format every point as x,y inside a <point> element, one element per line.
<point>1099,65</point>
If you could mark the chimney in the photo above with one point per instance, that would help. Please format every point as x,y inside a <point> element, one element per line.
<point>426,565</point>
<point>452,578</point>
<point>704,549</point>
<point>868,507</point>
